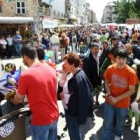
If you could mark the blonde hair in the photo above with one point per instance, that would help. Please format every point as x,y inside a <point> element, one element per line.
<point>105,42</point>
<point>128,46</point>
<point>63,35</point>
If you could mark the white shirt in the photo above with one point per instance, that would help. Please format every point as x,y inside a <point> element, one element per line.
<point>64,84</point>
<point>98,62</point>
<point>3,42</point>
<point>10,41</point>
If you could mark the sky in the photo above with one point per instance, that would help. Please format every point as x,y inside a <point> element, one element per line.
<point>98,6</point>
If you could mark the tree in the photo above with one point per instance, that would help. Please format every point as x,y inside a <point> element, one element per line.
<point>137,8</point>
<point>126,9</point>
<point>122,9</point>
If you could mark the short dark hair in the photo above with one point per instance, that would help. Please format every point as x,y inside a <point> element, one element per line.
<point>113,38</point>
<point>112,50</point>
<point>30,51</point>
<point>121,53</point>
<point>40,53</point>
<point>72,58</point>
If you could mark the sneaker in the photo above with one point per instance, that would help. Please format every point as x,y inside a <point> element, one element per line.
<point>128,123</point>
<point>135,130</point>
<point>117,138</point>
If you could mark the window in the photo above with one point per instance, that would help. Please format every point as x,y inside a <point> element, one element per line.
<point>20,7</point>
<point>110,8</point>
<point>0,7</point>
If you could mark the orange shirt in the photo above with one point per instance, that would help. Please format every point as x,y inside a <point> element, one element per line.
<point>119,80</point>
<point>135,36</point>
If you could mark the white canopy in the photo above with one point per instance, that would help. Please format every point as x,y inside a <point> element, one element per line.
<point>16,19</point>
<point>66,25</point>
<point>49,24</point>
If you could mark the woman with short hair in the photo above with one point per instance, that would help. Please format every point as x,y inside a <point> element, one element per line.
<point>77,97</point>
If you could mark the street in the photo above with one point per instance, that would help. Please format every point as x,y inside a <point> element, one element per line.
<point>93,134</point>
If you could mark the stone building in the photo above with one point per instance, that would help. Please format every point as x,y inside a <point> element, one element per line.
<point>18,15</point>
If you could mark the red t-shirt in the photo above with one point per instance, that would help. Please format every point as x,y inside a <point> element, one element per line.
<point>39,83</point>
<point>120,80</point>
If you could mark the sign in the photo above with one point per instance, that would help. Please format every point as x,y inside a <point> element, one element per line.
<point>49,24</point>
<point>48,17</point>
<point>132,21</point>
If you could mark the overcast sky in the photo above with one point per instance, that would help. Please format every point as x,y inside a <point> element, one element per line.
<point>98,7</point>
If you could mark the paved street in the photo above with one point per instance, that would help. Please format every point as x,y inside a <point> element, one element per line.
<point>94,134</point>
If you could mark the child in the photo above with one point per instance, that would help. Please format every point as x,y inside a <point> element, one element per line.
<point>134,97</point>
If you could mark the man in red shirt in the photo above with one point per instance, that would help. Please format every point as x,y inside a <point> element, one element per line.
<point>39,83</point>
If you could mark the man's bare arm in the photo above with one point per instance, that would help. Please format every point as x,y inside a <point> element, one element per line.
<point>17,98</point>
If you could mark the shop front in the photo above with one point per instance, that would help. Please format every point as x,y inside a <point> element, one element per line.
<point>9,25</point>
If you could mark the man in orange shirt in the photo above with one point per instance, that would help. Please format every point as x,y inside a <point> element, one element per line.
<point>120,81</point>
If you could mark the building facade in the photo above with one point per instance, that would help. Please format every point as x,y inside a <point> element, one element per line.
<point>91,18</point>
<point>54,14</point>
<point>108,15</point>
<point>71,11</point>
<point>33,16</point>
<point>81,11</point>
<point>18,15</point>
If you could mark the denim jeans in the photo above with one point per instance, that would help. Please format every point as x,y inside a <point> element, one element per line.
<point>114,119</point>
<point>73,127</point>
<point>18,49</point>
<point>46,132</point>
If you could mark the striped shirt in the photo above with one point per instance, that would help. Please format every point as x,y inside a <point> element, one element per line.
<point>39,84</point>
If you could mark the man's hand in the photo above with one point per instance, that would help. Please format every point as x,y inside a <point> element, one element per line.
<point>113,100</point>
<point>17,99</point>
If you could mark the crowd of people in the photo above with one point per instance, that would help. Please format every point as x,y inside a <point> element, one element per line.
<point>94,61</point>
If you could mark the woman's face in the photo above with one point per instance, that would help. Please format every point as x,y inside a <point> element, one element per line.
<point>111,56</point>
<point>105,45</point>
<point>129,51</point>
<point>67,66</point>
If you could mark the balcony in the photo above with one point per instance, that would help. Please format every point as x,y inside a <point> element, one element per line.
<point>57,14</point>
<point>71,2</point>
<point>44,11</point>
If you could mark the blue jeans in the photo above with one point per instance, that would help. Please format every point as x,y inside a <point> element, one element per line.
<point>73,127</point>
<point>46,132</point>
<point>114,119</point>
<point>18,49</point>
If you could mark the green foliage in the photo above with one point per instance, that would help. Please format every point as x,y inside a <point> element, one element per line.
<point>126,9</point>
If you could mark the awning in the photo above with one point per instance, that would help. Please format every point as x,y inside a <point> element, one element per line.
<point>73,17</point>
<point>49,24</point>
<point>16,19</point>
<point>65,25</point>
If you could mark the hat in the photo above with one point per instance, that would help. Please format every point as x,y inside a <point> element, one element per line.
<point>94,44</point>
